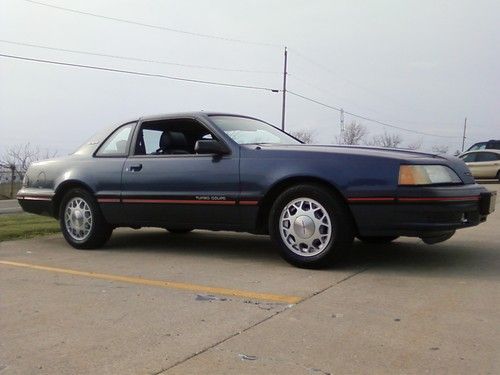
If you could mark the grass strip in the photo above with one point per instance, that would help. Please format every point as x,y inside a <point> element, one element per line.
<point>24,225</point>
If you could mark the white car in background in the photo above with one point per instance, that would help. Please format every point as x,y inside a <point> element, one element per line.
<point>483,163</point>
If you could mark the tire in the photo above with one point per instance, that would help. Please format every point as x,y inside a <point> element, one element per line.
<point>318,213</point>
<point>81,220</point>
<point>498,175</point>
<point>179,230</point>
<point>377,240</point>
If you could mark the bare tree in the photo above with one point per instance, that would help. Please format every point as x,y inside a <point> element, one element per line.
<point>353,134</point>
<point>416,145</point>
<point>440,149</point>
<point>304,135</point>
<point>18,158</point>
<point>388,140</point>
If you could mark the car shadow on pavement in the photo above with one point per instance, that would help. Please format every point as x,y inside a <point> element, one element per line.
<point>454,258</point>
<point>413,257</point>
<point>197,243</point>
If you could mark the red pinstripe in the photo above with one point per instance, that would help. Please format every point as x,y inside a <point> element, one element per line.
<point>176,201</point>
<point>413,199</point>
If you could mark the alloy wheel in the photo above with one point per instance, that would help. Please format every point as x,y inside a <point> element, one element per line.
<point>305,227</point>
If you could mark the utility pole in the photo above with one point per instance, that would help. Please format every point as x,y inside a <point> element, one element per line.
<point>284,92</point>
<point>463,138</point>
<point>342,128</point>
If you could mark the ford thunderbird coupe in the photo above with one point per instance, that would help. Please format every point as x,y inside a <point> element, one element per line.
<point>220,171</point>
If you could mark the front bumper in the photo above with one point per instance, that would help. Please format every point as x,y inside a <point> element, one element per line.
<point>423,212</point>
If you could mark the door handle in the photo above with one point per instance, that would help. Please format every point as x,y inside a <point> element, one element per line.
<point>134,168</point>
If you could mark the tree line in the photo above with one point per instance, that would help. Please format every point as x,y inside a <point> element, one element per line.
<point>356,133</point>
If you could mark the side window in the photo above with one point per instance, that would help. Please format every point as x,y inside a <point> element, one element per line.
<point>486,156</point>
<point>151,139</point>
<point>170,137</point>
<point>116,144</point>
<point>494,145</point>
<point>469,157</point>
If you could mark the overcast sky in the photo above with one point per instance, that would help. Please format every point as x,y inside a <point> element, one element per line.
<point>422,65</point>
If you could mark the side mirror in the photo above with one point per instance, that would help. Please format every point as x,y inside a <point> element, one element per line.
<point>210,146</point>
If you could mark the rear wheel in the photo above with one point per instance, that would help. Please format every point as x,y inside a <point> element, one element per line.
<point>81,220</point>
<point>312,227</point>
<point>377,240</point>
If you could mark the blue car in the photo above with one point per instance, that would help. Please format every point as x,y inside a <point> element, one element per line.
<point>221,171</point>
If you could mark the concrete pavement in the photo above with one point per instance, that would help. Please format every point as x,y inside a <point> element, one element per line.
<point>9,206</point>
<point>402,308</point>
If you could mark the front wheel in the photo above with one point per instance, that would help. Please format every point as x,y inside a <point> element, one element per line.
<point>311,225</point>
<point>81,220</point>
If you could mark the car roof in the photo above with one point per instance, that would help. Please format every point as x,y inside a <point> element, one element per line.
<point>190,114</point>
<point>495,151</point>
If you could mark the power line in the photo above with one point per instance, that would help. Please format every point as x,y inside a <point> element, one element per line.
<point>203,35</point>
<point>354,84</point>
<point>335,74</point>
<point>137,73</point>
<point>315,101</point>
<point>325,90</point>
<point>214,83</point>
<point>366,118</point>
<point>397,127</point>
<point>331,71</point>
<point>157,27</point>
<point>331,92</point>
<point>137,58</point>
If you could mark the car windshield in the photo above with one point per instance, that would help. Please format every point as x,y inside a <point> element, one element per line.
<point>244,130</point>
<point>477,146</point>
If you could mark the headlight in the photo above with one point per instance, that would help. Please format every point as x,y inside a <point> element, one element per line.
<point>427,175</point>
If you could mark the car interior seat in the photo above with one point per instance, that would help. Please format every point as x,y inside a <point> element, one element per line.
<point>173,143</point>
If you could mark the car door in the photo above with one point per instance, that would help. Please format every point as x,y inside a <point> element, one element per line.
<point>487,164</point>
<point>470,159</point>
<point>105,171</point>
<point>181,189</point>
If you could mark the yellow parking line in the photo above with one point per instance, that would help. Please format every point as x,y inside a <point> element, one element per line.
<point>164,284</point>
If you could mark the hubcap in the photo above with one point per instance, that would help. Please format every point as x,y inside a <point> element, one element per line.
<point>78,218</point>
<point>305,227</point>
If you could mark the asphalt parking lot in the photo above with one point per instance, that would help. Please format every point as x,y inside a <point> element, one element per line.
<point>151,302</point>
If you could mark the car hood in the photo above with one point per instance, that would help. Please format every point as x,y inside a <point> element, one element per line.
<point>352,150</point>
<point>359,155</point>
